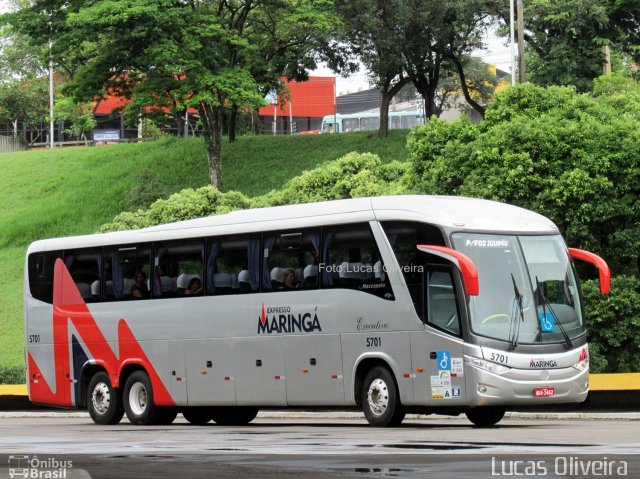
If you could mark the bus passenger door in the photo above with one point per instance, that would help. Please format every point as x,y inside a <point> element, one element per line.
<point>314,369</point>
<point>259,371</point>
<point>210,372</point>
<point>437,352</point>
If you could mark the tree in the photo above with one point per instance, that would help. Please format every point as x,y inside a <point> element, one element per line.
<point>25,101</point>
<point>80,116</point>
<point>564,38</point>
<point>374,32</point>
<point>480,78</point>
<point>569,156</point>
<point>203,53</point>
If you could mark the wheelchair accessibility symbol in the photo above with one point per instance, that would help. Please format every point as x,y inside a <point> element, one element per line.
<point>547,322</point>
<point>444,361</point>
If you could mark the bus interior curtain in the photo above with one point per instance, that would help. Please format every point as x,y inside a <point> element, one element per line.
<point>268,244</point>
<point>116,275</point>
<point>214,249</point>
<point>157,283</point>
<point>315,242</point>
<point>326,275</point>
<point>253,262</point>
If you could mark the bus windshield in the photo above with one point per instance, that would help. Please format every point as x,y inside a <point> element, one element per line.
<point>528,289</point>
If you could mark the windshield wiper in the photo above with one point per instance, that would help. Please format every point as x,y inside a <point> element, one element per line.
<point>514,330</point>
<point>545,304</point>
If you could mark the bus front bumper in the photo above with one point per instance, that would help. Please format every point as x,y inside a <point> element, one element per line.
<point>526,387</point>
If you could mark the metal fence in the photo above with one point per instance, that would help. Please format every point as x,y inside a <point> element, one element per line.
<point>8,144</point>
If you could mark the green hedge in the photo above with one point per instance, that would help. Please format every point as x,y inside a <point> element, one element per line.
<point>12,375</point>
<point>613,323</point>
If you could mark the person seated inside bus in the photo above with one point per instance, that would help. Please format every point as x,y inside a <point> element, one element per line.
<point>139,289</point>
<point>289,280</point>
<point>194,288</point>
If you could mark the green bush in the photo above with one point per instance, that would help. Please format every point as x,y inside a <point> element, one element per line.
<point>613,323</point>
<point>12,375</point>
<point>568,156</point>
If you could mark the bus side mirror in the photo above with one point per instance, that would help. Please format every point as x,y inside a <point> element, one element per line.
<point>598,262</point>
<point>462,262</point>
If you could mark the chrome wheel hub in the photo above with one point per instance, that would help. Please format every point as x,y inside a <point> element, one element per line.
<point>378,397</point>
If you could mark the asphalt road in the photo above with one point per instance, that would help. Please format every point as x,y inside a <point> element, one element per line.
<point>321,445</point>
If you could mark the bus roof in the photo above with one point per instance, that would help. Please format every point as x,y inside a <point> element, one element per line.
<point>448,212</point>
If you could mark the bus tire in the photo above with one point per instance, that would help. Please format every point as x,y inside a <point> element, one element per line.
<point>234,416</point>
<point>138,400</point>
<point>485,416</point>
<point>198,416</point>
<point>103,401</point>
<point>380,399</point>
<point>166,415</point>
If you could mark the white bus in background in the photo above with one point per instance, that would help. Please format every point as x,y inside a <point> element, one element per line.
<point>344,123</point>
<point>390,304</point>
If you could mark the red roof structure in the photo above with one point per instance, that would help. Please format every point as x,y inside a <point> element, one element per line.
<point>314,98</point>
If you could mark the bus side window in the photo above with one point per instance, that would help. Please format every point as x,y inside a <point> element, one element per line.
<point>40,271</point>
<point>290,260</point>
<point>351,260</point>
<point>127,272</point>
<point>442,308</point>
<point>178,269</point>
<point>233,265</point>
<point>84,266</point>
<point>403,237</point>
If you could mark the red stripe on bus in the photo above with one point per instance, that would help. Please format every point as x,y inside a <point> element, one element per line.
<point>68,305</point>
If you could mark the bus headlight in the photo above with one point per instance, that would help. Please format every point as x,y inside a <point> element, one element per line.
<point>494,368</point>
<point>582,365</point>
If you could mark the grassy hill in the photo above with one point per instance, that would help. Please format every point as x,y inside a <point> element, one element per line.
<point>75,190</point>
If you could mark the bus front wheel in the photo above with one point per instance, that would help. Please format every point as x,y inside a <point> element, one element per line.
<point>103,401</point>
<point>380,399</point>
<point>485,416</point>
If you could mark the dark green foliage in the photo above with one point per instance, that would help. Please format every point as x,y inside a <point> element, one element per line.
<point>12,375</point>
<point>613,323</point>
<point>568,156</point>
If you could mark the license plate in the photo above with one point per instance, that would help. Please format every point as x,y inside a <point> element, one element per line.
<point>543,392</point>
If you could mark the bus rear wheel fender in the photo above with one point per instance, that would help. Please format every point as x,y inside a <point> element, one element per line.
<point>104,402</point>
<point>380,398</point>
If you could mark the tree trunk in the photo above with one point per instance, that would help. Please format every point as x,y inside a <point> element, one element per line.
<point>465,88</point>
<point>15,129</point>
<point>385,101</point>
<point>233,117</point>
<point>255,121</point>
<point>386,95</point>
<point>212,124</point>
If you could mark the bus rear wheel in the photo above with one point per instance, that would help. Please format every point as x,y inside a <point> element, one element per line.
<point>485,416</point>
<point>234,416</point>
<point>103,401</point>
<point>380,399</point>
<point>198,416</point>
<point>139,404</point>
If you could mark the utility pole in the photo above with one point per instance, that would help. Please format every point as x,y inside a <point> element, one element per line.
<point>521,70</point>
<point>513,41</point>
<point>607,60</point>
